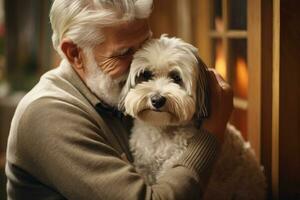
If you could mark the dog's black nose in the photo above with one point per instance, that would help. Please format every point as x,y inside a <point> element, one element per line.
<point>158,101</point>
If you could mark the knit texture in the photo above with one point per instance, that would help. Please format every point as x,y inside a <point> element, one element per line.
<point>201,153</point>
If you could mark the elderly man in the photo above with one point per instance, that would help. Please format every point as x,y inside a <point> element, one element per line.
<point>67,140</point>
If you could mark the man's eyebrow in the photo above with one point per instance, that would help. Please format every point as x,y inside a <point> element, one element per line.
<point>117,51</point>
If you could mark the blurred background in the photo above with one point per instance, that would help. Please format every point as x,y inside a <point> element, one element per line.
<point>252,44</point>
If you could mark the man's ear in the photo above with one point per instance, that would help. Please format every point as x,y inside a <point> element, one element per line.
<point>73,53</point>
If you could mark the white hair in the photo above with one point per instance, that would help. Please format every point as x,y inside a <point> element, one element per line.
<point>101,84</point>
<point>82,20</point>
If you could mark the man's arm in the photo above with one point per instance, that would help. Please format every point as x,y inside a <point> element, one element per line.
<point>61,146</point>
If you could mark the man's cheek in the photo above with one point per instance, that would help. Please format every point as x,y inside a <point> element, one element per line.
<point>119,71</point>
<point>119,68</point>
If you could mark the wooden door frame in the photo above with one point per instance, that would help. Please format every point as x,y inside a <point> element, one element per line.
<point>254,71</point>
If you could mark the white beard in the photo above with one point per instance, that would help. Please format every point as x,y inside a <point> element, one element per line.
<point>101,84</point>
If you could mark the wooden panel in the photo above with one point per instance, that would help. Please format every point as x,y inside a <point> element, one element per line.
<point>200,10</point>
<point>275,98</point>
<point>254,63</point>
<point>184,16</point>
<point>289,135</point>
<point>266,91</point>
<point>164,18</point>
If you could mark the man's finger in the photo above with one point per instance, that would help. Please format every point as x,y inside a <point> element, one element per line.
<point>221,82</point>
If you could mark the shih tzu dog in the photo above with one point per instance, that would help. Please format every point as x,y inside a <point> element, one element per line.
<point>166,93</point>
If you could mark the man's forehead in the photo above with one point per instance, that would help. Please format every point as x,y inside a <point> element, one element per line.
<point>128,30</point>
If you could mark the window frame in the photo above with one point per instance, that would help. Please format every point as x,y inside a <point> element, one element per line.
<point>253,35</point>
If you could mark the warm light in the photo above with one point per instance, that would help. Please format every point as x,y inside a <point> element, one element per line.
<point>241,77</point>
<point>220,64</point>
<point>219,24</point>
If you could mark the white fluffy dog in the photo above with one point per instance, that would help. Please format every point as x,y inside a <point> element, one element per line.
<point>165,93</point>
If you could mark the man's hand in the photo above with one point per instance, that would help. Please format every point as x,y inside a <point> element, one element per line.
<point>221,105</point>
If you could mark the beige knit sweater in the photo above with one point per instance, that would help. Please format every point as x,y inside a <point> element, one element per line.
<point>60,147</point>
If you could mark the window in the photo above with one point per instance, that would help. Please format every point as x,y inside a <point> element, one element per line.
<point>228,40</point>
<point>227,34</point>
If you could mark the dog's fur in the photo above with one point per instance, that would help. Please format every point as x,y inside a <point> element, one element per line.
<point>170,68</point>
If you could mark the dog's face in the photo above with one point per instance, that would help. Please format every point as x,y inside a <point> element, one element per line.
<point>166,83</point>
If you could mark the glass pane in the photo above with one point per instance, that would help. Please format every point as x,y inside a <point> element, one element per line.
<point>218,58</point>
<point>238,70</point>
<point>237,14</point>
<point>239,120</point>
<point>217,16</point>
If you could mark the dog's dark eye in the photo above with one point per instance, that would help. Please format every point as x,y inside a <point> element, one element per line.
<point>147,75</point>
<point>176,77</point>
<point>144,76</point>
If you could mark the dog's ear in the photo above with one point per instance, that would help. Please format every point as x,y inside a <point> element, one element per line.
<point>124,92</point>
<point>202,109</point>
<point>202,91</point>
